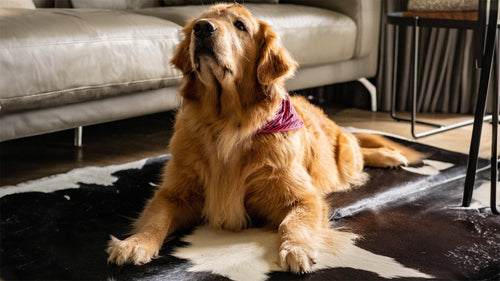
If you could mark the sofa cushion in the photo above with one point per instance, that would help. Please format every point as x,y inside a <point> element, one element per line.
<point>209,2</point>
<point>443,6</point>
<point>177,14</point>
<point>24,4</point>
<point>58,56</point>
<point>333,34</point>
<point>114,4</point>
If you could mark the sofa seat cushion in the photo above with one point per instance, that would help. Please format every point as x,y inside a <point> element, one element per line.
<point>333,34</point>
<point>52,57</point>
<point>23,4</point>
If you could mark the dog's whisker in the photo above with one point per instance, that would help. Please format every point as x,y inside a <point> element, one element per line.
<point>204,6</point>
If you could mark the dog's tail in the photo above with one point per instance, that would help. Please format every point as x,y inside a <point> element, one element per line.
<point>379,151</point>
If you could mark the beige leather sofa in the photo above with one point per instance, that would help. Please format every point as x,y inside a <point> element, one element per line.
<point>63,68</point>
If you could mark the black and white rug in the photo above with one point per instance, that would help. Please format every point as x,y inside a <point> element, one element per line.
<point>409,219</point>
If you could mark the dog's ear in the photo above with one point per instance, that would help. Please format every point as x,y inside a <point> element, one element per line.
<point>181,58</point>
<point>274,62</point>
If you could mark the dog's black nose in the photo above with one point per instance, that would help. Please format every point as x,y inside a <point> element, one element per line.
<point>204,28</point>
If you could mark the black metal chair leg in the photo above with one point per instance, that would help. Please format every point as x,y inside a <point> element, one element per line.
<point>494,157</point>
<point>414,91</point>
<point>494,143</point>
<point>480,107</point>
<point>394,72</point>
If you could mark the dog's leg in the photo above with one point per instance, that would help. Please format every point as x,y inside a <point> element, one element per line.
<point>379,151</point>
<point>154,225</point>
<point>175,205</point>
<point>300,233</point>
<point>383,157</point>
<point>349,160</point>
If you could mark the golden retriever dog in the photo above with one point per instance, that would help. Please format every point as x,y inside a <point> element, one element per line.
<point>229,168</point>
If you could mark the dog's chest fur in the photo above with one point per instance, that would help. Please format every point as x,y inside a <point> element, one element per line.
<point>226,159</point>
<point>223,179</point>
<point>225,197</point>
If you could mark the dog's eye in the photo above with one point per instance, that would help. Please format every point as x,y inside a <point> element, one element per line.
<point>239,25</point>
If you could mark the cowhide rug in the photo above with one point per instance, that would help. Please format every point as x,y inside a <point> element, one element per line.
<point>408,222</point>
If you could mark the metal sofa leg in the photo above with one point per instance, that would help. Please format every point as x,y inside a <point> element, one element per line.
<point>77,141</point>
<point>372,90</point>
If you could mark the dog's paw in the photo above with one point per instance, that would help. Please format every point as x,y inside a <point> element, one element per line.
<point>393,158</point>
<point>131,250</point>
<point>296,259</point>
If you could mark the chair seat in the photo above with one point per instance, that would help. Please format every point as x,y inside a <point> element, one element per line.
<point>443,6</point>
<point>467,15</point>
<point>414,18</point>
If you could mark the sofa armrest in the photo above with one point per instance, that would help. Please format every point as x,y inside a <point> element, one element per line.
<point>366,14</point>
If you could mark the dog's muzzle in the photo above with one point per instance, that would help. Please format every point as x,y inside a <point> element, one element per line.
<point>204,32</point>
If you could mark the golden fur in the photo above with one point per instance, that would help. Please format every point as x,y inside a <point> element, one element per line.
<point>223,174</point>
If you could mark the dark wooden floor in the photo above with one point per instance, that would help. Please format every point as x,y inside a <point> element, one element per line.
<point>104,144</point>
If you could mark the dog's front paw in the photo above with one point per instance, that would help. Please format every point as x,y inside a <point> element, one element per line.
<point>131,250</point>
<point>296,259</point>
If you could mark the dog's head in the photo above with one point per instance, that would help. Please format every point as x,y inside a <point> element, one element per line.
<point>226,45</point>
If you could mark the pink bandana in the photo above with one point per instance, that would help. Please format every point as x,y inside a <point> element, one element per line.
<point>285,119</point>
